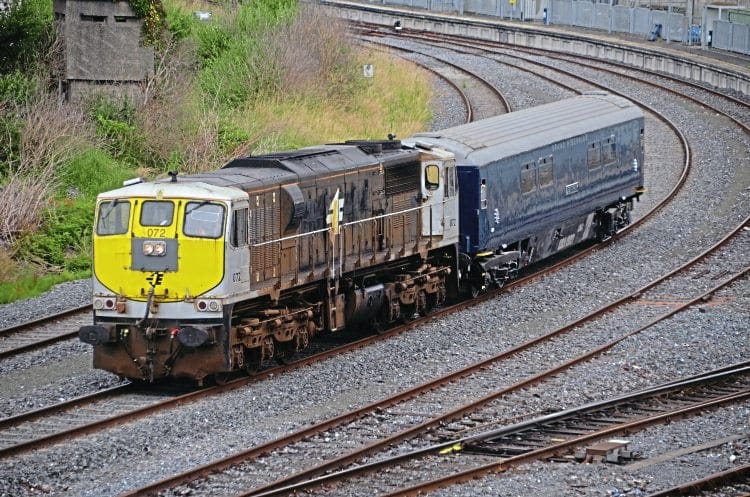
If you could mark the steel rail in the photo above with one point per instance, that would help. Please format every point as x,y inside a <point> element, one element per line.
<point>469,42</point>
<point>10,330</point>
<point>499,94</point>
<point>10,421</point>
<point>28,347</point>
<point>464,97</point>
<point>735,475</point>
<point>558,448</point>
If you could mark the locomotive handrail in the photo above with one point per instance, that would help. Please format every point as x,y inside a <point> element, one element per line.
<point>344,225</point>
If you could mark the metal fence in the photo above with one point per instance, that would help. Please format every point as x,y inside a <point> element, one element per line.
<point>640,21</point>
<point>731,36</point>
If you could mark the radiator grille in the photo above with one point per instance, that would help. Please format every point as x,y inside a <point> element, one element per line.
<point>402,178</point>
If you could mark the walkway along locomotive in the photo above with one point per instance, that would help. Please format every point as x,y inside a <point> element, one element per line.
<point>209,273</point>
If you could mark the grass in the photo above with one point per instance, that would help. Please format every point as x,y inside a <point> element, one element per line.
<point>26,285</point>
<point>395,101</point>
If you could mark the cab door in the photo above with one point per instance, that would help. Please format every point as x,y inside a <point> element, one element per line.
<point>238,250</point>
<point>432,196</point>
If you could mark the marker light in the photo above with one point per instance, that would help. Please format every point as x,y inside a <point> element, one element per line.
<point>208,305</point>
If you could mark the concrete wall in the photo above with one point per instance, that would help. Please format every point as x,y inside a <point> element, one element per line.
<point>103,49</point>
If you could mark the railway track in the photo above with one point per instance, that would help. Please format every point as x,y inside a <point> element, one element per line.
<point>24,436</point>
<point>735,109</point>
<point>381,425</point>
<point>557,435</point>
<point>43,332</point>
<point>734,481</point>
<point>482,98</point>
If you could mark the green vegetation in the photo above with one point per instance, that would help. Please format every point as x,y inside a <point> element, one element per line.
<point>257,77</point>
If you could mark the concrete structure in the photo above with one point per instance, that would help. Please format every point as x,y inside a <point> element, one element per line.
<point>104,54</point>
<point>677,60</point>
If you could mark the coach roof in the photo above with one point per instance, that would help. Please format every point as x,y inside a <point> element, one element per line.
<point>517,132</point>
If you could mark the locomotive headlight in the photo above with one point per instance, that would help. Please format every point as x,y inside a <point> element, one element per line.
<point>98,304</point>
<point>154,248</point>
<point>635,165</point>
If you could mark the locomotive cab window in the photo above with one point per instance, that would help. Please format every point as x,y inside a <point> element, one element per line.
<point>238,236</point>
<point>114,218</point>
<point>203,220</point>
<point>432,177</point>
<point>157,213</point>
<point>483,194</point>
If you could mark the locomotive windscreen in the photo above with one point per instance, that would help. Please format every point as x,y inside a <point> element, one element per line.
<point>402,178</point>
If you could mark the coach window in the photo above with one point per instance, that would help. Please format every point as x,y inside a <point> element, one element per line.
<point>238,236</point>
<point>545,173</point>
<point>593,155</point>
<point>157,213</point>
<point>528,181</point>
<point>431,177</point>
<point>114,217</point>
<point>203,220</point>
<point>609,151</point>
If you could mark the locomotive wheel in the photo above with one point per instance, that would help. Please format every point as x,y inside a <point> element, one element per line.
<point>252,361</point>
<point>474,291</point>
<point>432,300</point>
<point>407,313</point>
<point>284,352</point>
<point>422,304</point>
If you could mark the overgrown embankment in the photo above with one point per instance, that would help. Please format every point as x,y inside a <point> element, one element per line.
<point>256,77</point>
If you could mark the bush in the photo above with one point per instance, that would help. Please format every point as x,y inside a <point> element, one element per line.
<point>115,125</point>
<point>92,172</point>
<point>25,32</point>
<point>49,135</point>
<point>65,239</point>
<point>179,22</point>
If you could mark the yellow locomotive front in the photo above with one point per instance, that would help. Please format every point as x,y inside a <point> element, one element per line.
<point>160,286</point>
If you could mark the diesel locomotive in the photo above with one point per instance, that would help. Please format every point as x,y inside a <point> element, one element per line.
<point>205,274</point>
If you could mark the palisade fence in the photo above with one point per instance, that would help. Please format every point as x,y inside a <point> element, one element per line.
<point>639,21</point>
<point>731,36</point>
